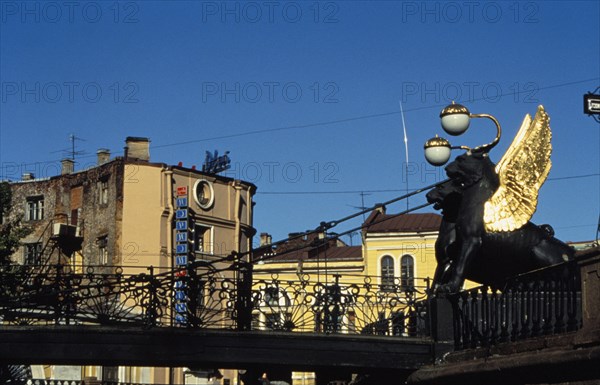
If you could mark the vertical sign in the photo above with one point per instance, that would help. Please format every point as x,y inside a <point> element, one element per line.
<point>182,251</point>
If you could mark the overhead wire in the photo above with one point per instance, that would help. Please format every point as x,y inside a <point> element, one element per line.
<point>391,190</point>
<point>323,227</point>
<point>323,123</point>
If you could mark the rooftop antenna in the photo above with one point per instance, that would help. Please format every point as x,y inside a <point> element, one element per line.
<point>73,138</point>
<point>71,152</point>
<point>351,236</point>
<point>406,149</point>
<point>362,204</point>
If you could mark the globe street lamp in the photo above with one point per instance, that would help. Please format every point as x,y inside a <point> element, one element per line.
<point>437,151</point>
<point>455,119</point>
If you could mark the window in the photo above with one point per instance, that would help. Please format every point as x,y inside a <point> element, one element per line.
<point>103,191</point>
<point>102,243</point>
<point>407,272</point>
<point>33,253</point>
<point>387,273</point>
<point>75,215</point>
<point>35,208</point>
<point>202,239</point>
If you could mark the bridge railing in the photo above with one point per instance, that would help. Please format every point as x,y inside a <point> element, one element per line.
<point>542,302</point>
<point>203,298</point>
<point>340,304</point>
<point>100,295</point>
<point>76,382</point>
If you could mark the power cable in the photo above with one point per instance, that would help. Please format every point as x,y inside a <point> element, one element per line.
<point>330,122</point>
<point>389,190</point>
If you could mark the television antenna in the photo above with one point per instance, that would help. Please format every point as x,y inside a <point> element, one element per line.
<point>71,151</point>
<point>362,206</point>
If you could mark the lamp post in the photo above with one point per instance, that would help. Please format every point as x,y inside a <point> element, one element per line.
<point>456,119</point>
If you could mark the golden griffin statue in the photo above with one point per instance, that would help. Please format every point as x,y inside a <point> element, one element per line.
<point>486,235</point>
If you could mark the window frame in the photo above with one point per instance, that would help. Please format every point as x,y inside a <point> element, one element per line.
<point>34,208</point>
<point>102,243</point>
<point>36,255</point>
<point>387,272</point>
<point>103,188</point>
<point>407,277</point>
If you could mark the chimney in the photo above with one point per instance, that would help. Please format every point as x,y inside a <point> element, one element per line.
<point>103,155</point>
<point>68,166</point>
<point>137,148</point>
<point>27,176</point>
<point>265,239</point>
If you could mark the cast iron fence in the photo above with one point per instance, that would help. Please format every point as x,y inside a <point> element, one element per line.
<point>205,298</point>
<point>75,382</point>
<point>542,302</point>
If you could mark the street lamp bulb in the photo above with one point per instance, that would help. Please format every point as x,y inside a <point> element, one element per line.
<point>437,151</point>
<point>455,119</point>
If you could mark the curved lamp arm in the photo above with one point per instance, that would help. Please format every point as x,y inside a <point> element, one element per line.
<point>493,143</point>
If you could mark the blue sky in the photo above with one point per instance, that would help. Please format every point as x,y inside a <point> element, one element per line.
<point>304,95</point>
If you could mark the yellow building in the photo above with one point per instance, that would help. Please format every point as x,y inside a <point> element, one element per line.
<point>397,255</point>
<point>314,282</point>
<point>124,213</point>
<point>400,246</point>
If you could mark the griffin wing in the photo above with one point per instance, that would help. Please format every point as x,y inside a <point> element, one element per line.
<point>522,171</point>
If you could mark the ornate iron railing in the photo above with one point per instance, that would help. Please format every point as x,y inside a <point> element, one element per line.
<point>74,382</point>
<point>340,304</point>
<point>543,302</point>
<point>104,295</point>
<point>204,298</point>
<point>52,382</point>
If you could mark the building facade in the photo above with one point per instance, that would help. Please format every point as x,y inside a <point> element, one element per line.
<point>123,213</point>
<point>400,247</point>
<point>314,282</point>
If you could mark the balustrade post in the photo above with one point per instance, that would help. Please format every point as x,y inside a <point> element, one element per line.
<point>589,266</point>
<point>475,319</point>
<point>485,317</point>
<point>515,313</point>
<point>495,315</point>
<point>151,311</point>
<point>536,308</point>
<point>505,315</point>
<point>193,291</point>
<point>525,318</point>
<point>243,304</point>
<point>443,317</point>
<point>573,302</point>
<point>559,305</point>
<point>548,290</point>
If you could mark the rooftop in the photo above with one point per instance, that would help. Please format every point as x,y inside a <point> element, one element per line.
<point>380,222</point>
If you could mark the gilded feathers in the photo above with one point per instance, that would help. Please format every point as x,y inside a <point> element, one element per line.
<point>522,171</point>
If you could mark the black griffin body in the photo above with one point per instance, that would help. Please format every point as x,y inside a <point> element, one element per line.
<point>465,250</point>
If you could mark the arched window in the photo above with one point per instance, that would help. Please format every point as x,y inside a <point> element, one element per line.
<point>407,271</point>
<point>387,273</point>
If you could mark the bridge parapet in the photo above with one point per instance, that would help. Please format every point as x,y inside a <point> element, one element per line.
<point>341,304</point>
<point>543,302</point>
<point>200,297</point>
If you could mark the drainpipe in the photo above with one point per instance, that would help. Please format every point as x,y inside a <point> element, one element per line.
<point>171,213</point>
<point>236,185</point>
<point>169,181</point>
